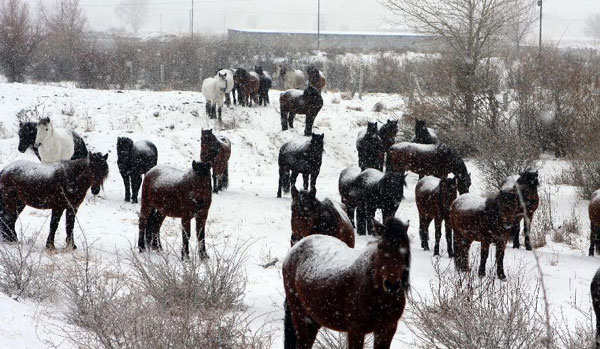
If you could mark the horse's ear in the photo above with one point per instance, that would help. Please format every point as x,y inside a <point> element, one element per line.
<point>105,157</point>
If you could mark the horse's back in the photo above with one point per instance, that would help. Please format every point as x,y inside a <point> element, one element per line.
<point>345,231</point>
<point>348,176</point>
<point>146,155</point>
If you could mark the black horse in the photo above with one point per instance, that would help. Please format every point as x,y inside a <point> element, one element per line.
<point>423,134</point>
<point>308,102</point>
<point>595,291</point>
<point>369,190</point>
<point>300,157</point>
<point>134,160</point>
<point>370,148</point>
<point>28,132</point>
<point>264,85</point>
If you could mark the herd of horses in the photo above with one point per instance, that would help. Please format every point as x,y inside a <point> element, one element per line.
<point>327,281</point>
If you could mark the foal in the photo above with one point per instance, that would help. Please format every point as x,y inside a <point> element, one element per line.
<point>433,197</point>
<point>370,148</point>
<point>216,150</point>
<point>248,84</point>
<point>300,157</point>
<point>168,192</point>
<point>264,85</point>
<point>292,102</point>
<point>134,160</point>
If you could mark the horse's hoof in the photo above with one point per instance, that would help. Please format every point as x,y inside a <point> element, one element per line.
<point>134,201</point>
<point>436,252</point>
<point>50,247</point>
<point>591,254</point>
<point>127,199</point>
<point>203,255</point>
<point>502,276</point>
<point>450,254</point>
<point>528,247</point>
<point>142,249</point>
<point>482,274</point>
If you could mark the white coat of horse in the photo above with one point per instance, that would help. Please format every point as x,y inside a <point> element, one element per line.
<point>213,90</point>
<point>228,79</point>
<point>54,144</point>
<point>292,79</point>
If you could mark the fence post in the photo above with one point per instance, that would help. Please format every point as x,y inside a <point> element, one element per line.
<point>361,76</point>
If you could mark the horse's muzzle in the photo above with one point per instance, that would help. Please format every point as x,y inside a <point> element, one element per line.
<point>95,190</point>
<point>37,144</point>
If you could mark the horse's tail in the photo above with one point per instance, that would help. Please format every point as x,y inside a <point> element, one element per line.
<point>289,333</point>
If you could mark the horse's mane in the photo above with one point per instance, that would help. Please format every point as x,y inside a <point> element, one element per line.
<point>395,233</point>
<point>459,163</point>
<point>212,149</point>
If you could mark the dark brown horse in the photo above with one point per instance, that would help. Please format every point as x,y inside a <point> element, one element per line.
<point>58,187</point>
<point>423,134</point>
<point>328,284</point>
<point>312,216</point>
<point>595,292</point>
<point>594,214</point>
<point>531,200</point>
<point>434,197</point>
<point>168,192</point>
<point>489,221</point>
<point>429,160</point>
<point>216,150</point>
<point>248,84</point>
<point>292,102</point>
<point>370,148</point>
<point>297,157</point>
<point>316,78</point>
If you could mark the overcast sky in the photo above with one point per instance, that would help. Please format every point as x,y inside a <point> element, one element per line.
<point>562,18</point>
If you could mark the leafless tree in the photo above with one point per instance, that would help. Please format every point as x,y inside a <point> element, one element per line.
<point>19,36</point>
<point>470,29</point>
<point>133,13</point>
<point>592,26</point>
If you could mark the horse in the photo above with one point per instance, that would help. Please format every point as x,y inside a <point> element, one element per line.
<point>228,73</point>
<point>265,84</point>
<point>292,79</point>
<point>299,156</point>
<point>370,148</point>
<point>423,134</point>
<point>53,144</point>
<point>216,150</point>
<point>169,192</point>
<point>594,214</point>
<point>292,102</point>
<point>491,220</point>
<point>57,186</point>
<point>595,293</point>
<point>316,78</point>
<point>28,133</point>
<point>433,197</point>
<point>327,284</point>
<point>531,200</point>
<point>134,159</point>
<point>429,160</point>
<point>369,190</point>
<point>248,83</point>
<point>313,216</point>
<point>213,90</point>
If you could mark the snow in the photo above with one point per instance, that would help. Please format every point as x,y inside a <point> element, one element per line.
<point>429,183</point>
<point>248,211</point>
<point>469,202</point>
<point>29,169</point>
<point>418,146</point>
<point>167,176</point>
<point>595,196</point>
<point>509,183</point>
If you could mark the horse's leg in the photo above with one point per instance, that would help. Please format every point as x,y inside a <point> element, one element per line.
<point>515,230</point>
<point>306,332</point>
<point>70,220</point>
<point>126,183</point>
<point>153,231</point>
<point>145,212</point>
<point>215,182</point>
<point>305,177</point>
<point>424,232</point>
<point>308,125</point>
<point>227,99</point>
<point>313,179</point>
<point>461,253</point>
<point>136,182</point>
<point>500,246</point>
<point>360,219</point>
<point>220,109</point>
<point>526,232</point>
<point>201,232</point>
<point>438,235</point>
<point>449,239</point>
<point>293,178</point>
<point>284,120</point>
<point>485,251</point>
<point>291,117</point>
<point>54,220</point>
<point>592,238</point>
<point>356,340</point>
<point>350,210</point>
<point>185,235</point>
<point>383,337</point>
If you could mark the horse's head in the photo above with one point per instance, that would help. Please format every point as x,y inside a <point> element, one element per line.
<point>201,168</point>
<point>448,188</point>
<point>222,81</point>
<point>124,146</point>
<point>27,134</point>
<point>372,127</point>
<point>240,75</point>
<point>529,179</point>
<point>316,142</point>
<point>464,182</point>
<point>390,128</point>
<point>420,125</point>
<point>207,135</point>
<point>99,170</point>
<point>44,130</point>
<point>391,190</point>
<point>304,202</point>
<point>392,260</point>
<point>258,69</point>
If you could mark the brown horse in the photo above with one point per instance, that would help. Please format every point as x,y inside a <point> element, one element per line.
<point>429,160</point>
<point>170,192</point>
<point>489,221</point>
<point>58,187</point>
<point>248,84</point>
<point>595,292</point>
<point>292,102</point>
<point>328,284</point>
<point>316,78</point>
<point>434,197</point>
<point>312,216</point>
<point>531,200</point>
<point>216,150</point>
<point>594,213</point>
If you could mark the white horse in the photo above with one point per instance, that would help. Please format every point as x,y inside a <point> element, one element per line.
<point>213,90</point>
<point>292,79</point>
<point>54,144</point>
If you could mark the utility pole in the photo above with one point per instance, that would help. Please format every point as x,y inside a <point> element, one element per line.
<point>318,24</point>
<point>540,5</point>
<point>192,20</point>
<point>160,24</point>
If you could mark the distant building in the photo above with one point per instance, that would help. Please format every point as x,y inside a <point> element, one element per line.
<point>331,39</point>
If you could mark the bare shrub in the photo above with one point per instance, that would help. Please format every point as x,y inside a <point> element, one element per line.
<point>22,272</point>
<point>581,336</point>
<point>584,173</point>
<point>466,311</point>
<point>328,339</point>
<point>354,107</point>
<point>543,221</point>
<point>379,107</point>
<point>568,232</point>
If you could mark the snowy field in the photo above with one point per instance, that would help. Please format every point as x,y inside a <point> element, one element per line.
<point>248,212</point>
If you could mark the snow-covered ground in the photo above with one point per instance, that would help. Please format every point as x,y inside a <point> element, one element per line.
<point>248,212</point>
